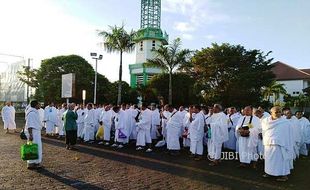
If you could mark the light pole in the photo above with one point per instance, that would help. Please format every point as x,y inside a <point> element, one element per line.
<point>94,56</point>
<point>84,97</point>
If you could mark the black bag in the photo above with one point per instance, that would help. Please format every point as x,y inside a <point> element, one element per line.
<point>23,135</point>
<point>244,129</point>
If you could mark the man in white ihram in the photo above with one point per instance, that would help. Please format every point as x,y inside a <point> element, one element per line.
<point>155,122</point>
<point>33,132</point>
<point>8,117</point>
<point>219,134</point>
<point>196,131</point>
<point>305,133</point>
<point>247,131</point>
<point>106,120</point>
<point>50,118</point>
<point>278,145</point>
<point>80,120</point>
<point>89,124</point>
<point>233,118</point>
<point>144,129</point>
<point>174,126</point>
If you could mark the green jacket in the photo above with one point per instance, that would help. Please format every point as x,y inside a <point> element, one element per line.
<point>70,118</point>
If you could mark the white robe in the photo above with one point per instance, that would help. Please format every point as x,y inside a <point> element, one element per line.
<point>305,135</point>
<point>8,117</point>
<point>186,124</point>
<point>174,126</point>
<point>80,121</point>
<point>260,146</point>
<point>106,119</point>
<point>144,128</point>
<point>98,112</point>
<point>232,123</point>
<point>33,121</point>
<point>120,125</point>
<point>50,118</point>
<point>60,123</point>
<point>278,145</point>
<point>167,115</point>
<point>132,123</point>
<point>248,145</point>
<point>296,129</point>
<point>155,123</point>
<point>219,134</point>
<point>41,114</point>
<point>196,132</point>
<point>89,125</point>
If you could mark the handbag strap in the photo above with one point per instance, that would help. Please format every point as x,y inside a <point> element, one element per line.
<point>244,120</point>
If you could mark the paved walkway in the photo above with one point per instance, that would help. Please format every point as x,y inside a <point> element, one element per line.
<point>99,167</point>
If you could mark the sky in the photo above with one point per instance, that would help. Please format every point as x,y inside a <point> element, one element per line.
<point>41,29</point>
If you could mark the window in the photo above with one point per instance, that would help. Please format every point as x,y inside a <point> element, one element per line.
<point>153,45</point>
<point>139,79</point>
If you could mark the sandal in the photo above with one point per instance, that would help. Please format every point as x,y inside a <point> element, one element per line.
<point>282,179</point>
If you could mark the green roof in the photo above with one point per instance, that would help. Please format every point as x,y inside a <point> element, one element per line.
<point>151,33</point>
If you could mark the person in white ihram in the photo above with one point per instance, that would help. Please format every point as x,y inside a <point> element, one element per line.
<point>50,118</point>
<point>219,134</point>
<point>278,145</point>
<point>144,129</point>
<point>8,117</point>
<point>88,134</point>
<point>247,131</point>
<point>33,132</point>
<point>196,132</point>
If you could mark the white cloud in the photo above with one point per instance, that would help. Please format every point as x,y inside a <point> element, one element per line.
<point>183,27</point>
<point>187,36</point>
<point>198,13</point>
<point>210,37</point>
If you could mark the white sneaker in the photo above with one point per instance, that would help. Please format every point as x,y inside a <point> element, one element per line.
<point>107,144</point>
<point>114,145</point>
<point>149,150</point>
<point>120,146</point>
<point>139,148</point>
<point>100,142</point>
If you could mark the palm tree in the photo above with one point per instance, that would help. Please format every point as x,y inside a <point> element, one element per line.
<point>169,58</point>
<point>273,89</point>
<point>118,40</point>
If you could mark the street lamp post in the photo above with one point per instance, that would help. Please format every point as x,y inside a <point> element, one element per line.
<point>84,97</point>
<point>94,56</point>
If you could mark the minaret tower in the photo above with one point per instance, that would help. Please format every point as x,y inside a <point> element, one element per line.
<point>148,38</point>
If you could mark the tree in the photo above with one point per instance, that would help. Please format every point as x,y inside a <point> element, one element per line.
<point>275,89</point>
<point>118,40</point>
<point>47,79</point>
<point>230,74</point>
<point>169,58</point>
<point>183,87</point>
<point>129,95</point>
<point>301,101</point>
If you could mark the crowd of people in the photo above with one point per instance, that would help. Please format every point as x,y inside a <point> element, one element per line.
<point>278,137</point>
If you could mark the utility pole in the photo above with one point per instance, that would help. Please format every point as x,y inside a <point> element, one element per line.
<point>28,79</point>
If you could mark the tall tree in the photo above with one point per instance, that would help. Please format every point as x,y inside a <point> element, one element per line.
<point>47,79</point>
<point>183,87</point>
<point>170,58</point>
<point>230,74</point>
<point>273,89</point>
<point>118,40</point>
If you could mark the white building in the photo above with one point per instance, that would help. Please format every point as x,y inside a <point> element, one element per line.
<point>294,80</point>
